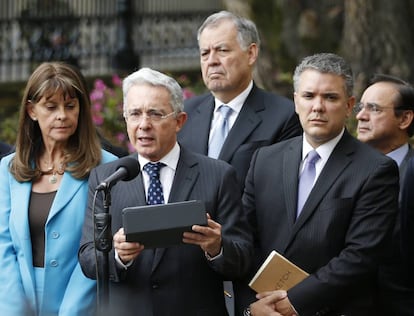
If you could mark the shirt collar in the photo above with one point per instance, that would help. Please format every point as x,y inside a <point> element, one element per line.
<point>237,103</point>
<point>170,159</point>
<point>323,150</point>
<point>399,154</point>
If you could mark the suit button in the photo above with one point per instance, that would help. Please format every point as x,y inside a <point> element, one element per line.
<point>55,235</point>
<point>54,263</point>
<point>155,286</point>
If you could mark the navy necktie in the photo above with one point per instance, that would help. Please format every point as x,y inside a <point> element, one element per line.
<point>220,133</point>
<point>154,194</point>
<point>306,179</point>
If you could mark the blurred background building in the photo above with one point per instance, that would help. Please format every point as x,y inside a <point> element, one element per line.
<point>100,36</point>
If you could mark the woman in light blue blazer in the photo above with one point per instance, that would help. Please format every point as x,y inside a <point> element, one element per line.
<point>43,195</point>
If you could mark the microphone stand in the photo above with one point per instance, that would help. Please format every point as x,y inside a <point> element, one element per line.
<point>103,243</point>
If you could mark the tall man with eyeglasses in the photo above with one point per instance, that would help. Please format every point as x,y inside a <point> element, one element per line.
<point>386,121</point>
<point>185,279</point>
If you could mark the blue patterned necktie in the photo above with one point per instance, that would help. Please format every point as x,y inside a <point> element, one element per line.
<point>220,133</point>
<point>306,179</point>
<point>155,194</point>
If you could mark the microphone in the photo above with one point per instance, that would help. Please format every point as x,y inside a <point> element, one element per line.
<point>128,168</point>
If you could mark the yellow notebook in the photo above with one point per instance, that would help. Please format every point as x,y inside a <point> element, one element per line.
<point>277,273</point>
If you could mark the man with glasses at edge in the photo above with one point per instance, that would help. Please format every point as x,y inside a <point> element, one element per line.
<point>386,121</point>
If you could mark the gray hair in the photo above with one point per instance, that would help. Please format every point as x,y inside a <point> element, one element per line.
<point>327,63</point>
<point>156,79</point>
<point>246,29</point>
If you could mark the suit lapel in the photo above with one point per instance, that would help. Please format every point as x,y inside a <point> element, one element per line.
<point>291,161</point>
<point>184,179</point>
<point>246,123</point>
<point>201,122</point>
<point>137,193</point>
<point>67,190</point>
<point>403,165</point>
<point>336,164</point>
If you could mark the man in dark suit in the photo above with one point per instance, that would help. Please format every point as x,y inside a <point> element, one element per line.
<point>386,121</point>
<point>229,47</point>
<point>339,233</point>
<point>5,149</point>
<point>184,279</point>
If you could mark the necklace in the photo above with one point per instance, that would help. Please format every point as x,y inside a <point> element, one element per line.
<point>53,172</point>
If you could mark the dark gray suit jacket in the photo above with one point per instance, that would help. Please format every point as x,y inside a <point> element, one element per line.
<point>178,280</point>
<point>264,119</point>
<point>339,236</point>
<point>395,287</point>
<point>407,218</point>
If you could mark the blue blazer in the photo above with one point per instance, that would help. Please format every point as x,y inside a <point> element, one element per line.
<point>67,291</point>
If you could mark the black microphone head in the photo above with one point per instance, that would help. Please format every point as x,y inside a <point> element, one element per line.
<point>131,165</point>
<point>127,168</point>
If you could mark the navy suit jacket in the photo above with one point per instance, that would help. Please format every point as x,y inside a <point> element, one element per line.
<point>264,119</point>
<point>177,280</point>
<point>338,237</point>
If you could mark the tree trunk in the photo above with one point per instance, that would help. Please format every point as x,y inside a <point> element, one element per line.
<point>378,38</point>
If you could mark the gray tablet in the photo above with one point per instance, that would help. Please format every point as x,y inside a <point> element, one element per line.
<point>162,225</point>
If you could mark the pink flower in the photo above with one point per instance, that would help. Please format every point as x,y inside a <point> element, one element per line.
<point>97,119</point>
<point>121,137</point>
<point>100,84</point>
<point>97,106</point>
<point>96,95</point>
<point>116,80</point>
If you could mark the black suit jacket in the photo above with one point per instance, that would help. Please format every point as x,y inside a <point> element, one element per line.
<point>395,288</point>
<point>264,119</point>
<point>178,280</point>
<point>339,235</point>
<point>407,219</point>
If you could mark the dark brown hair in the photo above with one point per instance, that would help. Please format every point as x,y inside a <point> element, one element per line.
<point>83,150</point>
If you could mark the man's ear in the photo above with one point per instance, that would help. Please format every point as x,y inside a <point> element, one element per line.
<point>253,53</point>
<point>350,106</point>
<point>406,118</point>
<point>181,119</point>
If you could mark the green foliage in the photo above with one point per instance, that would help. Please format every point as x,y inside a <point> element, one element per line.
<point>8,128</point>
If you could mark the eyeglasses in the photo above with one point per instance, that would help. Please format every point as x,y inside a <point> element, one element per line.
<point>137,116</point>
<point>372,107</point>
